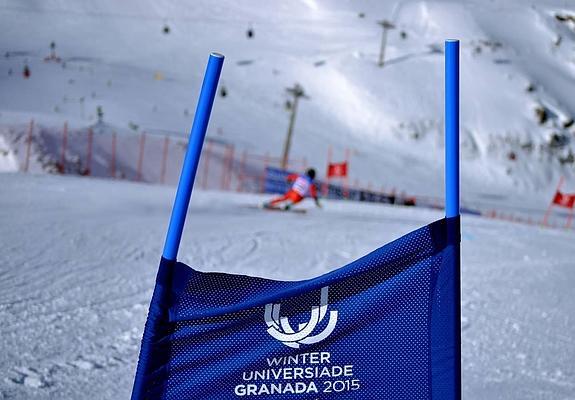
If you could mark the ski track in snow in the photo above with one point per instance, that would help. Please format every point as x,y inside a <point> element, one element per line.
<point>79,258</point>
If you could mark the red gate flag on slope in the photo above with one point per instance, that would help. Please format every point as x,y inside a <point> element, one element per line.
<point>564,199</point>
<point>560,199</point>
<point>337,170</point>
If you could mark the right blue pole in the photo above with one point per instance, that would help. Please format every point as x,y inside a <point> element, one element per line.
<point>451,128</point>
<point>452,198</point>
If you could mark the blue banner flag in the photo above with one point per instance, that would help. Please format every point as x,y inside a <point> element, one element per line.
<point>383,327</point>
<point>276,180</point>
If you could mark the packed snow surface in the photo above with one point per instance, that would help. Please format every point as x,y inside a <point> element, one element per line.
<point>79,258</point>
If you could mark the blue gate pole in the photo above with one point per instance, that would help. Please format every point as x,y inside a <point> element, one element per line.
<point>192,159</point>
<point>451,128</point>
<point>452,194</point>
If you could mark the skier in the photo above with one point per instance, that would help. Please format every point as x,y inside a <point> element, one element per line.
<point>250,32</point>
<point>100,113</point>
<point>302,186</point>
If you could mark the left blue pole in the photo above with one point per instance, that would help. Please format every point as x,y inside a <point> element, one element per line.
<point>192,159</point>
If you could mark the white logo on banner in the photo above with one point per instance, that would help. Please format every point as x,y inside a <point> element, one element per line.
<point>281,329</point>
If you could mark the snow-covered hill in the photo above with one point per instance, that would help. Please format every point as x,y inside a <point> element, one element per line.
<point>517,75</point>
<point>79,257</point>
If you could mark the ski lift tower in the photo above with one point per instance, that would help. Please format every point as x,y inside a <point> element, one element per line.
<point>386,25</point>
<point>297,92</point>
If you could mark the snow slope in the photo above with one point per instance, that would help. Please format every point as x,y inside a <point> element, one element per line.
<point>79,258</point>
<point>8,160</point>
<point>115,55</point>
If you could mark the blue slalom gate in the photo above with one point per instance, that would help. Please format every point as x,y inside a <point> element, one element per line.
<point>386,326</point>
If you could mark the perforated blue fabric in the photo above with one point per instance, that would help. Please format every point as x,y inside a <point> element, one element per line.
<point>383,327</point>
